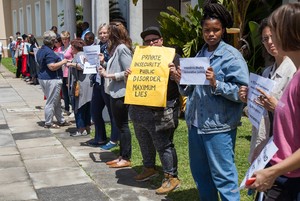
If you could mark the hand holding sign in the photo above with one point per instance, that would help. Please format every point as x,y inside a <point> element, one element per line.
<point>148,80</point>
<point>193,71</point>
<point>266,101</point>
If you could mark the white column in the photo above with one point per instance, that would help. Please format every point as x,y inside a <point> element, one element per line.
<point>87,14</point>
<point>194,2</point>
<point>100,14</point>
<point>70,17</point>
<point>136,21</point>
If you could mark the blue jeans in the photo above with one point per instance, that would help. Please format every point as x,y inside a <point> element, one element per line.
<point>83,116</point>
<point>212,164</point>
<point>120,114</point>
<point>13,57</point>
<point>99,100</point>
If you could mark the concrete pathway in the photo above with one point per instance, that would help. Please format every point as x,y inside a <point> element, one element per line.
<point>47,164</point>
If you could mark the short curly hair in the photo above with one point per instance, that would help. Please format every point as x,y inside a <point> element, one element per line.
<point>49,38</point>
<point>78,44</point>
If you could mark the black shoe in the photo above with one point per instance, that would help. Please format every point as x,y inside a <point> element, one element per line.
<point>92,143</point>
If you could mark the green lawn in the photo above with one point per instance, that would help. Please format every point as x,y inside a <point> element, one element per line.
<point>187,191</point>
<point>7,62</point>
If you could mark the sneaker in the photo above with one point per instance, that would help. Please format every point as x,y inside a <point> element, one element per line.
<point>78,133</point>
<point>146,174</point>
<point>169,184</point>
<point>66,113</point>
<point>72,115</point>
<point>108,146</point>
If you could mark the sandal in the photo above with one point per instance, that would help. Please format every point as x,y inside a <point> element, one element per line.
<point>52,126</point>
<point>66,123</point>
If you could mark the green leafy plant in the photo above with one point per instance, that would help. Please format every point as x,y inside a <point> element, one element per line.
<point>182,32</point>
<point>256,47</point>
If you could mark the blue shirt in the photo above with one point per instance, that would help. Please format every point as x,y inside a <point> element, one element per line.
<point>47,56</point>
<point>220,109</point>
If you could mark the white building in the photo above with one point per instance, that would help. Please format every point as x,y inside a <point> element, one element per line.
<point>37,16</point>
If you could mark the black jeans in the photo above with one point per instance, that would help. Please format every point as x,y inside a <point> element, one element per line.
<point>284,189</point>
<point>65,93</point>
<point>120,114</point>
<point>19,67</point>
<point>99,100</point>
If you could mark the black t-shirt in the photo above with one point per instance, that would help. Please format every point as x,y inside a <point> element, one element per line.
<point>173,92</point>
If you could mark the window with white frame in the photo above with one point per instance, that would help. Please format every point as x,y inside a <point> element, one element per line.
<point>60,9</point>
<point>15,21</point>
<point>37,8</point>
<point>48,15</point>
<point>21,20</point>
<point>29,19</point>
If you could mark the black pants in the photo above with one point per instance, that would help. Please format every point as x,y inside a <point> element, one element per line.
<point>120,114</point>
<point>19,67</point>
<point>284,189</point>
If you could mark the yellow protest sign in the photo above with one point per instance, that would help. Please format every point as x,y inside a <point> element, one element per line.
<point>147,84</point>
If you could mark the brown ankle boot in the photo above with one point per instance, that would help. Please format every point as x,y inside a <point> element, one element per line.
<point>169,184</point>
<point>146,174</point>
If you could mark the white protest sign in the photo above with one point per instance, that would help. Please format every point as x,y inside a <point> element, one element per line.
<point>193,70</point>
<point>89,69</point>
<point>256,111</point>
<point>92,54</point>
<point>262,160</point>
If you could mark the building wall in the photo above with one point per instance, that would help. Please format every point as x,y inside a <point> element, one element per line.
<point>153,8</point>
<point>46,21</point>
<point>5,23</point>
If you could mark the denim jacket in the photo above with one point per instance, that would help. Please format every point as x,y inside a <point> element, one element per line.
<point>218,110</point>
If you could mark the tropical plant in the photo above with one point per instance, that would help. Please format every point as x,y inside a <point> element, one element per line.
<point>256,47</point>
<point>254,51</point>
<point>182,32</point>
<point>115,13</point>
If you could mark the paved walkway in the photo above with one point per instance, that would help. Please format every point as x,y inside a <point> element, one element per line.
<point>47,164</point>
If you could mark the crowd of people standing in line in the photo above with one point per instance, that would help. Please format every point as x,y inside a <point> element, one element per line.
<point>61,64</point>
<point>213,111</point>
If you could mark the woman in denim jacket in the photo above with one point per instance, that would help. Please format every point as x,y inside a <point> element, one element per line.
<point>214,111</point>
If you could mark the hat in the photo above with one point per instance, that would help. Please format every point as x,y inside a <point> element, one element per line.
<point>150,30</point>
<point>19,37</point>
<point>11,37</point>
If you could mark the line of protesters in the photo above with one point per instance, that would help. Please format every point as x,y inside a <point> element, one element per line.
<point>213,111</point>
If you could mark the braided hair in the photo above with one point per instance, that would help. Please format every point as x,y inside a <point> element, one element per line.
<point>213,10</point>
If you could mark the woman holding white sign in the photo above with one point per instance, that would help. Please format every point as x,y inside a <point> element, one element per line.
<point>285,164</point>
<point>214,111</point>
<point>282,72</point>
<point>81,89</point>
<point>120,49</point>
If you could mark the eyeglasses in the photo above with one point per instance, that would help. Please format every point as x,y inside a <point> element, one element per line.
<point>266,39</point>
<point>153,40</point>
